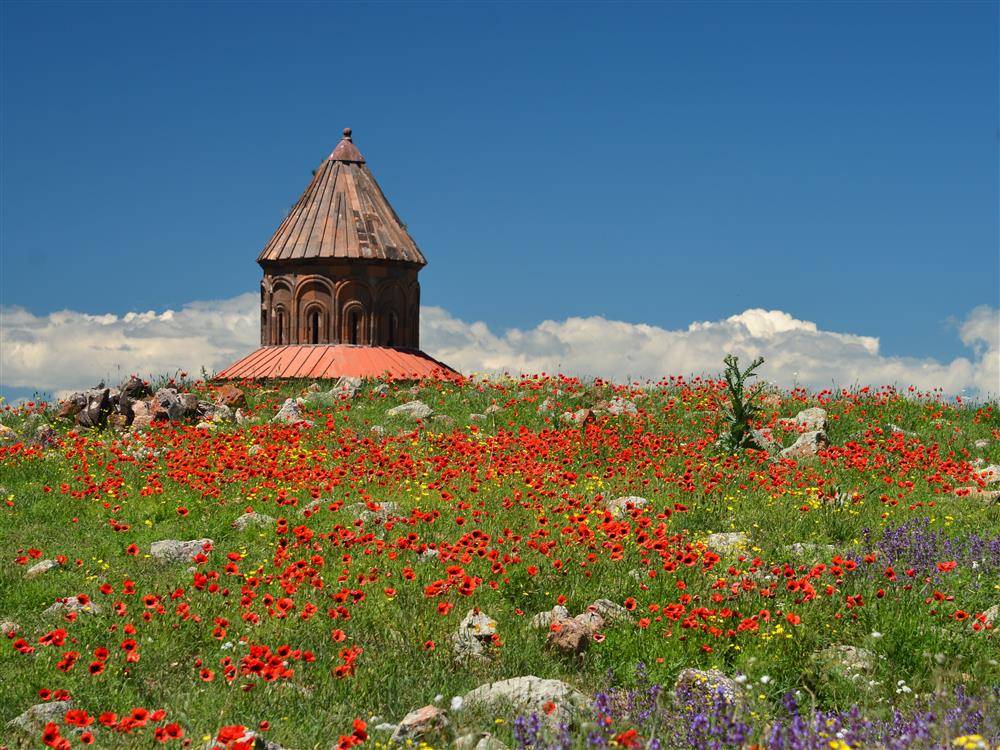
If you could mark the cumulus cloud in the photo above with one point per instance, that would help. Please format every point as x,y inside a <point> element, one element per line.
<point>66,350</point>
<point>796,351</point>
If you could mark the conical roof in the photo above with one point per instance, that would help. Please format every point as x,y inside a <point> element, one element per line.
<point>342,214</point>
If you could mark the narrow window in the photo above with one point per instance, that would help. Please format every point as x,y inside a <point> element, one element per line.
<point>279,320</point>
<point>393,328</point>
<point>314,327</point>
<point>354,326</point>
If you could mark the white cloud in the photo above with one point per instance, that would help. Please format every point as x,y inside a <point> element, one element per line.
<point>65,350</point>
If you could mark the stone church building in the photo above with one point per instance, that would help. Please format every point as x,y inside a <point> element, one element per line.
<point>340,294</point>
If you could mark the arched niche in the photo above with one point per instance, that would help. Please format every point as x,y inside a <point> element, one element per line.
<point>354,305</point>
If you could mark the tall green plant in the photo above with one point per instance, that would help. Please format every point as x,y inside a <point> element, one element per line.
<point>743,408</point>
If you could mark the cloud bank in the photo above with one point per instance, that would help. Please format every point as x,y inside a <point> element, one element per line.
<point>66,350</point>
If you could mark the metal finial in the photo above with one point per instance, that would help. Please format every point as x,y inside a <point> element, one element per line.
<point>347,133</point>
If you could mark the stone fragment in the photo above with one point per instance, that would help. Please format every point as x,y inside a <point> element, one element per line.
<point>289,413</point>
<point>619,406</point>
<point>231,396</point>
<point>420,723</point>
<point>611,612</point>
<point>95,409</point>
<point>7,627</point>
<point>580,417</point>
<point>167,405</point>
<point>478,741</point>
<point>382,389</point>
<point>411,410</point>
<point>381,513</point>
<point>72,604</point>
<point>569,637</point>
<point>142,415</point>
<point>474,637</point>
<point>491,409</point>
<point>725,543</point>
<point>528,695</point>
<point>847,662</point>
<point>699,688</point>
<point>807,445</point>
<point>169,551</point>
<point>35,718</point>
<point>543,620</point>
<point>478,417</point>
<point>811,420</point>
<point>620,506</point>
<point>40,567</point>
<point>7,435</point>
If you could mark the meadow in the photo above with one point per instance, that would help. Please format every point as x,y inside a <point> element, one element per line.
<point>353,567</point>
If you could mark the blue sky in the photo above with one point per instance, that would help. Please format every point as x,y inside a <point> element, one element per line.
<point>655,163</point>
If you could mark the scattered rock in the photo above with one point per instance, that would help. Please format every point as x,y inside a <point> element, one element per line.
<point>222,413</point>
<point>474,637</point>
<point>382,389</point>
<point>992,615</point>
<point>700,687</point>
<point>142,415</point>
<point>763,440</point>
<point>167,405</point>
<point>42,566</point>
<point>427,555</point>
<point>311,507</point>
<point>620,506</point>
<point>378,431</point>
<point>478,741</point>
<point>173,551</point>
<point>421,723</point>
<point>491,409</point>
<point>543,620</point>
<point>35,718</point>
<point>411,410</point>
<point>811,420</point>
<point>72,604</point>
<point>977,493</point>
<point>7,627</point>
<point>619,406</point>
<point>253,520</point>
<point>7,435</point>
<point>528,695</point>
<point>569,637</point>
<point>991,474</point>
<point>725,543</point>
<point>579,418</point>
<point>846,662</point>
<point>611,612</point>
<point>478,417</point>
<point>807,445</point>
<point>382,512</point>
<point>981,444</point>
<point>95,407</point>
<point>545,407</point>
<point>289,413</point>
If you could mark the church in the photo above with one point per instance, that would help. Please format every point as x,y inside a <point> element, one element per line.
<point>340,295</point>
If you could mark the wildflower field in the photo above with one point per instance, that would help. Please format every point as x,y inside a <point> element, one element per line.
<point>352,578</point>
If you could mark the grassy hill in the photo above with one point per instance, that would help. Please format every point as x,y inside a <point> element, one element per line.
<point>866,575</point>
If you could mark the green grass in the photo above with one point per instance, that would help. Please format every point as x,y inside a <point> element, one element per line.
<point>500,488</point>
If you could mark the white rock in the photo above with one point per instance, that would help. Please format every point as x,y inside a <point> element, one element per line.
<point>543,620</point>
<point>814,419</point>
<point>527,695</point>
<point>727,542</point>
<point>174,551</point>
<point>619,506</point>
<point>808,444</point>
<point>411,409</point>
<point>71,604</point>
<point>290,413</point>
<point>42,566</point>
<point>36,717</point>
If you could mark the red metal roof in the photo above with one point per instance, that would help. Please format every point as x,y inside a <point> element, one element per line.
<point>342,214</point>
<point>336,360</point>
